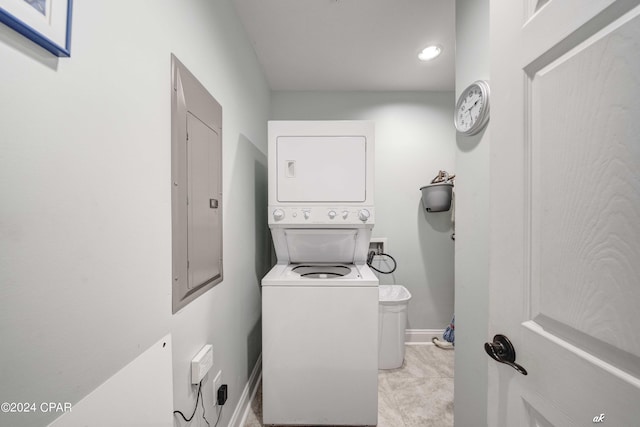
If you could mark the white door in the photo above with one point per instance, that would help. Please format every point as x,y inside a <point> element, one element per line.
<point>565,211</point>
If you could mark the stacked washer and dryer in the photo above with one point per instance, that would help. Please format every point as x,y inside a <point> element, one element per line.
<point>320,302</point>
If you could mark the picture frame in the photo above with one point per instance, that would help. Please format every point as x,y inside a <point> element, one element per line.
<point>45,22</point>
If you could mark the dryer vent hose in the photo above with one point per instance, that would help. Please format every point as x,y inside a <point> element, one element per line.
<point>372,254</point>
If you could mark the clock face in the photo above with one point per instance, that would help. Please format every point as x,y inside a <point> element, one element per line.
<point>472,110</point>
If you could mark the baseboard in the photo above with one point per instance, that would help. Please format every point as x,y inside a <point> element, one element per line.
<point>421,336</point>
<point>244,404</point>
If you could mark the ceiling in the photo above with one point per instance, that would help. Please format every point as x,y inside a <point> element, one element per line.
<point>363,45</point>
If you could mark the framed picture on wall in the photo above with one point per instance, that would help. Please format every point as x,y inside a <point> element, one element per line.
<point>45,22</point>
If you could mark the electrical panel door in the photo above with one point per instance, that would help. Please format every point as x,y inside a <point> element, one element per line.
<point>203,162</point>
<point>196,187</point>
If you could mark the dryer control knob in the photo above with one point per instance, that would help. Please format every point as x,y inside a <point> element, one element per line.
<point>278,214</point>
<point>364,215</point>
<point>306,214</point>
<point>332,214</point>
<point>345,214</point>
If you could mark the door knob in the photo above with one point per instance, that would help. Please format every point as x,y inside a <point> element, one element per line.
<point>502,351</point>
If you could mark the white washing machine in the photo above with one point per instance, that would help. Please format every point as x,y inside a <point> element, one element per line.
<point>320,302</point>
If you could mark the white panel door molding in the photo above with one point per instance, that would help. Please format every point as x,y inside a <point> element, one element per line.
<point>565,211</point>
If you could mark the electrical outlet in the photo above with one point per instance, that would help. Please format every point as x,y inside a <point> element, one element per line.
<point>378,245</point>
<point>201,363</point>
<point>217,382</point>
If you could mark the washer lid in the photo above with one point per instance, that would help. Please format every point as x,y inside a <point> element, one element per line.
<point>321,245</point>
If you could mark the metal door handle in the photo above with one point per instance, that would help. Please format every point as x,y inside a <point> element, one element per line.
<point>502,350</point>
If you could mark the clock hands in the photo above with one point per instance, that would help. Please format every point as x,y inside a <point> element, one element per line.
<point>472,107</point>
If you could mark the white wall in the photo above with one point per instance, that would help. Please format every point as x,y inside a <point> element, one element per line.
<point>415,138</point>
<point>85,217</point>
<point>472,224</point>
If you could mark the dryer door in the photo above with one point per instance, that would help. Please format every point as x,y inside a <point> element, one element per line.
<point>321,169</point>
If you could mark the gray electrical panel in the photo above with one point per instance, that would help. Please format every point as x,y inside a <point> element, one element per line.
<point>196,187</point>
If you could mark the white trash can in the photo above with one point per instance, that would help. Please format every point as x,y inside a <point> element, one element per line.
<point>392,322</point>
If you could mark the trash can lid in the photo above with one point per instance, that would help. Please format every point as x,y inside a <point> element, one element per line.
<point>393,293</point>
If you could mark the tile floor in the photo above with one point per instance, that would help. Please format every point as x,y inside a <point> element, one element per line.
<point>420,394</point>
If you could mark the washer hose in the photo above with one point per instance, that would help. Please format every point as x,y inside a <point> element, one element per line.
<point>370,261</point>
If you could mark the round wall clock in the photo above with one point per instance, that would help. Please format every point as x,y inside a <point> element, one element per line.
<point>472,109</point>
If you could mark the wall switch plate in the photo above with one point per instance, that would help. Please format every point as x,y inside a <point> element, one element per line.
<point>217,382</point>
<point>201,363</point>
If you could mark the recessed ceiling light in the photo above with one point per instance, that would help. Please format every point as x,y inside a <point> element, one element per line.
<point>429,53</point>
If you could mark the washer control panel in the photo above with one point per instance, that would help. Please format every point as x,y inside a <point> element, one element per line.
<point>321,215</point>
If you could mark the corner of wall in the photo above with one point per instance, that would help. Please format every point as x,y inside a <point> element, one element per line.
<point>472,223</point>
